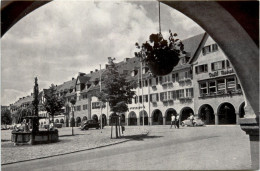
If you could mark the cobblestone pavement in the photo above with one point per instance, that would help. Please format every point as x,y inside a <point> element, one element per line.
<point>81,140</point>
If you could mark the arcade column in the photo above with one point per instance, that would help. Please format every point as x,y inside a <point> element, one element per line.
<point>150,120</point>
<point>138,121</point>
<point>164,120</point>
<point>126,121</point>
<point>216,119</point>
<point>250,124</point>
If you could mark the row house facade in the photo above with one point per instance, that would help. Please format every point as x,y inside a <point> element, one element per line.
<point>203,83</point>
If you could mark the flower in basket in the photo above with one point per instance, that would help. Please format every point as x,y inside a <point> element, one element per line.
<point>161,55</point>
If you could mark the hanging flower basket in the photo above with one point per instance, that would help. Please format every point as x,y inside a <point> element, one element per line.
<point>160,55</point>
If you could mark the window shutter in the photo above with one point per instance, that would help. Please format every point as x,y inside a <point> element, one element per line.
<point>157,97</point>
<point>196,70</point>
<point>206,68</point>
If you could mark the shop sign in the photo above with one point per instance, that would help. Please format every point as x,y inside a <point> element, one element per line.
<point>217,73</point>
<point>139,107</point>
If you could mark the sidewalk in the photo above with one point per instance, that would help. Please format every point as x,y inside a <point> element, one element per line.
<point>82,140</point>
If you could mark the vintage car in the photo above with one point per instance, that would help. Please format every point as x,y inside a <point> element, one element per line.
<point>197,122</point>
<point>86,124</point>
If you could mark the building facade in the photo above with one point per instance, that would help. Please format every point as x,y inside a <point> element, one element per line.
<point>203,83</point>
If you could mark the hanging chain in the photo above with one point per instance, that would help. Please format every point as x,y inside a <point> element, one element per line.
<point>159,18</point>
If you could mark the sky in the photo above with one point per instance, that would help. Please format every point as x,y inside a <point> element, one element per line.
<point>62,38</point>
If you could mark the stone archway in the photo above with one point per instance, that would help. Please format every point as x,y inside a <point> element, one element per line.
<point>168,115</point>
<point>157,117</point>
<point>104,119</point>
<point>144,114</point>
<point>206,114</point>
<point>132,119</point>
<point>226,113</point>
<point>185,113</point>
<point>95,117</point>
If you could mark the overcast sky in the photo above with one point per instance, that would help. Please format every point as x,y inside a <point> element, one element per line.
<point>60,39</point>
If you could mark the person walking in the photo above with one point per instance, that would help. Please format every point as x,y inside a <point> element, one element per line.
<point>172,120</point>
<point>177,123</point>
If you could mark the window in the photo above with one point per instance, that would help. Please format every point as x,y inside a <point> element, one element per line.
<point>136,99</point>
<point>163,96</point>
<point>214,47</point>
<point>157,80</point>
<point>173,77</point>
<point>145,98</point>
<point>221,85</point>
<point>181,93</point>
<point>203,89</point>
<point>85,107</point>
<point>140,99</point>
<point>189,92</point>
<point>218,65</point>
<point>231,83</point>
<point>201,69</point>
<point>206,50</point>
<point>154,97</point>
<point>95,105</point>
<point>228,64</point>
<point>212,87</point>
<point>78,108</point>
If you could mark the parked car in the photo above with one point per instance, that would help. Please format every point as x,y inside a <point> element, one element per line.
<point>85,125</point>
<point>197,122</point>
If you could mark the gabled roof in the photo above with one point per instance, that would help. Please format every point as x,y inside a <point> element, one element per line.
<point>67,85</point>
<point>195,45</point>
<point>83,79</point>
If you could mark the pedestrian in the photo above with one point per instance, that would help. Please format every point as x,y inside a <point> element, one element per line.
<point>172,120</point>
<point>192,119</point>
<point>177,121</point>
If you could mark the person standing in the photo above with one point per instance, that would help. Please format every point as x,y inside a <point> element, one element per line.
<point>172,120</point>
<point>191,119</point>
<point>177,123</point>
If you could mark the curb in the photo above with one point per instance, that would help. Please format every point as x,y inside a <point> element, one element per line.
<point>87,149</point>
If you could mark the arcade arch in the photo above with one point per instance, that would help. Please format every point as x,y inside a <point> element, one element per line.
<point>168,115</point>
<point>185,113</point>
<point>104,119</point>
<point>157,117</point>
<point>132,119</point>
<point>95,117</point>
<point>206,114</point>
<point>226,113</point>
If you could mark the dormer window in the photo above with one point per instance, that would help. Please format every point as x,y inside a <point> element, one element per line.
<point>134,73</point>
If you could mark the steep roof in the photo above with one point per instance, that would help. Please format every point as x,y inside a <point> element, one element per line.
<point>67,85</point>
<point>192,44</point>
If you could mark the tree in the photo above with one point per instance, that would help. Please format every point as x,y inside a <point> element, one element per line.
<point>52,103</point>
<point>6,117</point>
<point>72,121</point>
<point>116,91</point>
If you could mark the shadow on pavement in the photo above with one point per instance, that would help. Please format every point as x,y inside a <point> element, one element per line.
<point>71,135</point>
<point>139,137</point>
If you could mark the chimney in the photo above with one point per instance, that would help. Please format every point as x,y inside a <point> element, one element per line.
<point>126,59</point>
<point>72,78</point>
<point>96,70</point>
<point>81,74</point>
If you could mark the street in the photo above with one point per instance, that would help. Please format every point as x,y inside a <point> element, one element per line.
<point>187,148</point>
